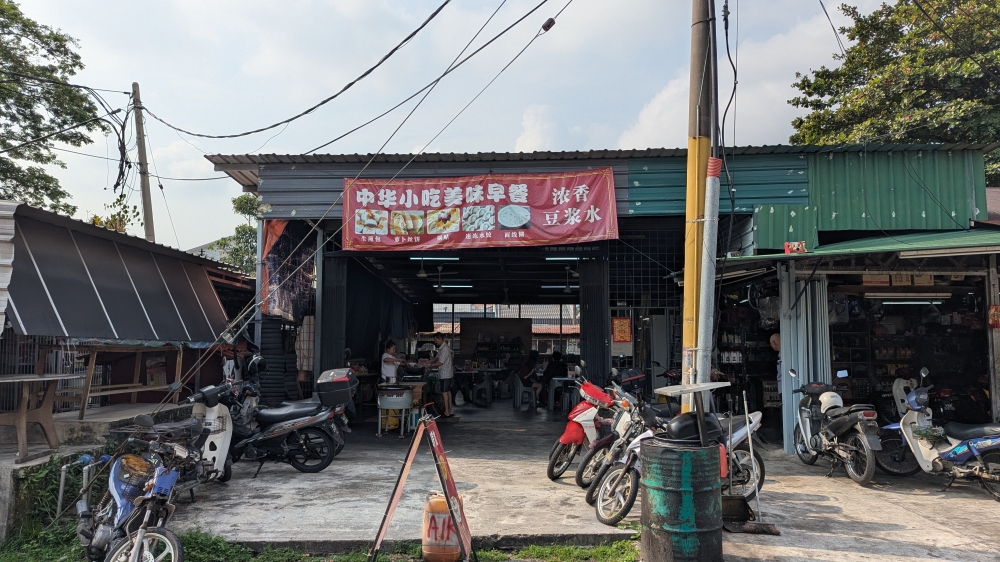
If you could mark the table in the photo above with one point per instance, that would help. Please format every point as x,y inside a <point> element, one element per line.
<point>555,382</point>
<point>42,414</point>
<point>698,389</point>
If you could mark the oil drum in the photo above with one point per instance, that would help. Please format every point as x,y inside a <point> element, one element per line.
<point>681,502</point>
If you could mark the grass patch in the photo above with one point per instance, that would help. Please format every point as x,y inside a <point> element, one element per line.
<point>621,551</point>
<point>34,542</point>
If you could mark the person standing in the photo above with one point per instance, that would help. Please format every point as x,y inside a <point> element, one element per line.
<point>446,371</point>
<point>390,363</point>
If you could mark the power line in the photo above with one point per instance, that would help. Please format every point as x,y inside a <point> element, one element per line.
<point>346,87</point>
<point>834,28</point>
<point>152,158</point>
<point>968,54</point>
<point>213,178</point>
<point>451,69</point>
<point>61,83</point>
<point>63,130</point>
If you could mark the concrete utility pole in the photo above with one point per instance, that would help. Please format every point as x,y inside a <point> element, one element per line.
<point>140,143</point>
<point>701,134</point>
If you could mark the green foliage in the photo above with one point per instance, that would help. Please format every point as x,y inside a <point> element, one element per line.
<point>240,249</point>
<point>621,551</point>
<point>203,547</point>
<point>35,542</point>
<point>120,215</point>
<point>905,81</point>
<point>31,109</point>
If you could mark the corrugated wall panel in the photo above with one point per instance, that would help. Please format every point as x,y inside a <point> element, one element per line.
<point>306,191</point>
<point>657,185</point>
<point>901,190</point>
<point>773,225</point>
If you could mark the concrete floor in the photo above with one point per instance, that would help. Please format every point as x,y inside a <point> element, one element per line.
<point>499,460</point>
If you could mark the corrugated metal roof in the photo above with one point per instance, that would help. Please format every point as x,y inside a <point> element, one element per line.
<point>939,240</point>
<point>773,225</point>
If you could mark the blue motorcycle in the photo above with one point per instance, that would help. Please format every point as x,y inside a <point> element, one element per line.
<point>129,523</point>
<point>955,450</point>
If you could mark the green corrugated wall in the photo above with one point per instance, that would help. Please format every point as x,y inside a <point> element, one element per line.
<point>773,225</point>
<point>656,186</point>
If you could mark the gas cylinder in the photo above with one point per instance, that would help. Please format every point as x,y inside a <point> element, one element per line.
<point>440,542</point>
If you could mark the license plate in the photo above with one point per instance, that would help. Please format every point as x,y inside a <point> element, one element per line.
<point>873,441</point>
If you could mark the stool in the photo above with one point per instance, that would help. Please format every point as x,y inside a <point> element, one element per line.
<point>402,414</point>
<point>486,387</point>
<point>520,391</point>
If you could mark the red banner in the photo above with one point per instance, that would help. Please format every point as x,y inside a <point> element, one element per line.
<point>480,211</point>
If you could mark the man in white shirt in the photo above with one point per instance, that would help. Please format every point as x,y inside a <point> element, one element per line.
<point>389,363</point>
<point>446,371</point>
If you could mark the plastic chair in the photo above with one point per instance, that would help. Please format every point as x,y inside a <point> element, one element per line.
<point>520,391</point>
<point>486,387</point>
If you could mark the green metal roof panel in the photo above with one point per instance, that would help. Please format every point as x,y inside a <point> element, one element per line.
<point>900,190</point>
<point>773,225</point>
<point>657,185</point>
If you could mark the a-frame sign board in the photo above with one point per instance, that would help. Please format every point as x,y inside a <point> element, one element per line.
<point>429,426</point>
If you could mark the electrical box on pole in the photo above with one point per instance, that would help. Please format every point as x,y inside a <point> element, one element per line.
<point>140,143</point>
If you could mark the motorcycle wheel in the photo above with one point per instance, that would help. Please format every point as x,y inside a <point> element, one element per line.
<point>800,448</point>
<point>555,447</point>
<point>595,485</point>
<point>159,543</point>
<point>227,471</point>
<point>895,458</point>
<point>613,505</point>
<point>860,462</point>
<point>311,451</point>
<point>745,469</point>
<point>561,460</point>
<point>993,488</point>
<point>590,465</point>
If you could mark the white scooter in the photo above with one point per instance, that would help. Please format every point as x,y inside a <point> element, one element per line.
<point>217,424</point>
<point>619,487</point>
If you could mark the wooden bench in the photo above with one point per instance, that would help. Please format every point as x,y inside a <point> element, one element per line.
<point>29,412</point>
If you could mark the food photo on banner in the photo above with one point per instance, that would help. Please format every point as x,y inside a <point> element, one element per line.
<point>480,211</point>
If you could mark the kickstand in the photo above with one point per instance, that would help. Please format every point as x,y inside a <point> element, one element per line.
<point>191,491</point>
<point>951,480</point>
<point>259,466</point>
<point>833,467</point>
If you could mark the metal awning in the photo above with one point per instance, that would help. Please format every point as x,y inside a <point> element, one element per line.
<point>917,245</point>
<point>73,279</point>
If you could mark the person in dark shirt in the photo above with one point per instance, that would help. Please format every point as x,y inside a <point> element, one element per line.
<point>555,369</point>
<point>527,373</point>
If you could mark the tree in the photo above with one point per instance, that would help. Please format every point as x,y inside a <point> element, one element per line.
<point>240,249</point>
<point>919,71</point>
<point>31,108</point>
<point>120,215</point>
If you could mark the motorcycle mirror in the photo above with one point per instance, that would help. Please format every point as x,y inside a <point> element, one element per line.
<point>577,370</point>
<point>924,372</point>
<point>143,420</point>
<point>175,386</point>
<point>583,363</point>
<point>793,373</point>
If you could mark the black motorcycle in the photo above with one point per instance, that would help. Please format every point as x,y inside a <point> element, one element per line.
<point>304,433</point>
<point>847,435</point>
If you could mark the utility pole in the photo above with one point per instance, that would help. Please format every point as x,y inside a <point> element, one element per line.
<point>702,125</point>
<point>140,143</point>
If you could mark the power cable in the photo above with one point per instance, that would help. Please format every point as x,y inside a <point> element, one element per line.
<point>451,69</point>
<point>908,166</point>
<point>346,87</point>
<point>63,130</point>
<point>60,83</point>
<point>836,33</point>
<point>152,159</point>
<point>968,54</point>
<point>239,320</point>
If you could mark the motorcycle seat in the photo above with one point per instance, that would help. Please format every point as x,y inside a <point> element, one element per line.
<point>843,411</point>
<point>738,422</point>
<point>290,411</point>
<point>963,431</point>
<point>665,411</point>
<point>314,400</point>
<point>178,431</point>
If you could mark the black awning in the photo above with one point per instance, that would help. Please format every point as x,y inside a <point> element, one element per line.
<point>67,281</point>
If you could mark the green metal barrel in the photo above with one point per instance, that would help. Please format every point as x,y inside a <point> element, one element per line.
<point>681,502</point>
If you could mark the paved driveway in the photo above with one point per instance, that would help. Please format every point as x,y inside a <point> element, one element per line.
<point>499,460</point>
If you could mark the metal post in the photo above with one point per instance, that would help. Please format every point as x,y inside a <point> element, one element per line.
<point>992,299</point>
<point>140,144</point>
<point>700,133</point>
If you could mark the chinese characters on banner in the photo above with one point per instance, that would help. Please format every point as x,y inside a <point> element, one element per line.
<point>480,211</point>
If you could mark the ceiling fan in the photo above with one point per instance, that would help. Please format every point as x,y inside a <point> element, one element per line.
<point>567,289</point>
<point>439,288</point>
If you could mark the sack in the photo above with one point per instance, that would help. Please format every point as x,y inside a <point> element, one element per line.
<point>459,399</point>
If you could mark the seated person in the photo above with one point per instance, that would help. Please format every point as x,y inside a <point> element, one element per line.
<point>555,369</point>
<point>527,373</point>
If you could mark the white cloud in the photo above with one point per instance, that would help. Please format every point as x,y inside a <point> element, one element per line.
<point>537,129</point>
<point>663,121</point>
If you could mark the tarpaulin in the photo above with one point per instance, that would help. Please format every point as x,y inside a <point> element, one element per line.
<point>491,210</point>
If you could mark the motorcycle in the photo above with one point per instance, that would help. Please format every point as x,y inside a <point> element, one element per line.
<point>846,435</point>
<point>895,457</point>
<point>304,433</point>
<point>620,485</point>
<point>630,427</point>
<point>212,413</point>
<point>129,524</point>
<point>955,450</point>
<point>581,428</point>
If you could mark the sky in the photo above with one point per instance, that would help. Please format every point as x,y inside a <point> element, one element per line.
<point>608,75</point>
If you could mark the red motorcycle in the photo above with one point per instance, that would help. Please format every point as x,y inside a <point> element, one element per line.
<point>581,428</point>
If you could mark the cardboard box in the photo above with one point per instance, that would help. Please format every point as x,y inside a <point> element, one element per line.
<point>923,280</point>
<point>876,280</point>
<point>901,280</point>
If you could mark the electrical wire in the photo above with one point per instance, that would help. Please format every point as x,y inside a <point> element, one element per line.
<point>63,130</point>
<point>836,33</point>
<point>243,319</point>
<point>908,166</point>
<point>451,69</point>
<point>152,158</point>
<point>730,184</point>
<point>968,54</point>
<point>346,87</point>
<point>60,83</point>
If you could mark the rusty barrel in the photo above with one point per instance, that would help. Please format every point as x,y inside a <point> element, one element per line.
<point>681,502</point>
